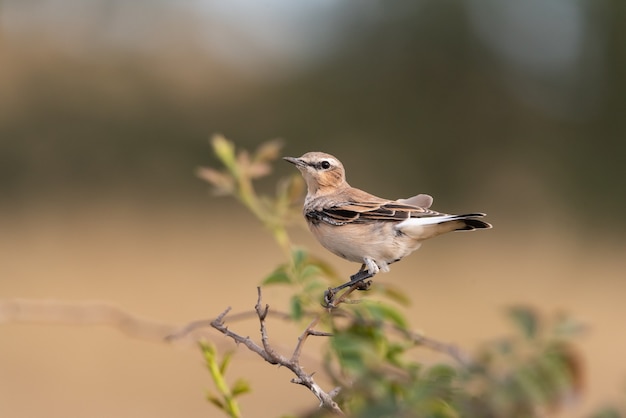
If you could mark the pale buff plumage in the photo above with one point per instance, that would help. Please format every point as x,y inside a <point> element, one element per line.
<point>366,229</point>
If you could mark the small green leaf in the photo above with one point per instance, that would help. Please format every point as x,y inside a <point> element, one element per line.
<point>386,313</point>
<point>226,362</point>
<point>526,320</point>
<point>215,401</point>
<point>313,286</point>
<point>299,256</point>
<point>355,352</point>
<point>277,276</point>
<point>309,270</point>
<point>296,307</point>
<point>395,294</point>
<point>442,373</point>
<point>224,149</point>
<point>326,269</point>
<point>240,387</point>
<point>208,350</point>
<point>394,354</point>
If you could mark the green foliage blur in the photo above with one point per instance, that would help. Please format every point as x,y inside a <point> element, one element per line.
<point>374,358</point>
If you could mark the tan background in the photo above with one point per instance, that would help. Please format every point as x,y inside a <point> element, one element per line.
<point>105,112</point>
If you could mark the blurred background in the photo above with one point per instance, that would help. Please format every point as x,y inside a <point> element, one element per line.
<point>517,109</point>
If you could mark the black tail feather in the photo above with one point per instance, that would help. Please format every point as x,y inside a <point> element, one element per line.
<point>472,223</point>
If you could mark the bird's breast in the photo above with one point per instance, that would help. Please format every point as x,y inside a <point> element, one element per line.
<point>353,242</point>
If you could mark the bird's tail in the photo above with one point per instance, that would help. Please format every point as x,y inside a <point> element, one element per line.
<point>431,226</point>
<point>469,222</point>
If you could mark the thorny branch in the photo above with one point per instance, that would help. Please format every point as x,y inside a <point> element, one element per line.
<point>99,313</point>
<point>305,334</point>
<point>203,323</point>
<point>270,355</point>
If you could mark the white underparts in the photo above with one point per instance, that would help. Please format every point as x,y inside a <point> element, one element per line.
<point>373,267</point>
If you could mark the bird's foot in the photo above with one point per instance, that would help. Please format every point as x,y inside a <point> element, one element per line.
<point>372,266</point>
<point>358,281</point>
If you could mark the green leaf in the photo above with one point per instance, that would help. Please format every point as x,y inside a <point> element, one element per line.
<point>526,320</point>
<point>395,353</point>
<point>326,269</point>
<point>530,389</point>
<point>224,149</point>
<point>386,313</point>
<point>226,362</point>
<point>278,276</point>
<point>395,294</point>
<point>442,373</point>
<point>298,256</point>
<point>296,307</point>
<point>240,387</point>
<point>215,401</point>
<point>309,270</point>
<point>355,352</point>
<point>208,350</point>
<point>313,286</point>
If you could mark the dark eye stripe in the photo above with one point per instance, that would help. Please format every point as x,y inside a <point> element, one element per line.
<point>322,165</point>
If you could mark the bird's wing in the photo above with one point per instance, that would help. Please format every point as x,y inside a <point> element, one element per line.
<point>369,211</point>
<point>421,200</point>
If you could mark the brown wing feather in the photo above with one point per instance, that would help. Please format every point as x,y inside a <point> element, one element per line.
<point>365,212</point>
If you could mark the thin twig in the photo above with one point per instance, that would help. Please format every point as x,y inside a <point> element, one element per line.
<point>295,357</point>
<point>450,349</point>
<point>218,324</point>
<point>204,323</point>
<point>270,355</point>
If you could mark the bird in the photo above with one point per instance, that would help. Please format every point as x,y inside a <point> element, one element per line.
<point>363,228</point>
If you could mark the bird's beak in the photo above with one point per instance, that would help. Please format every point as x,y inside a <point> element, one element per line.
<point>298,162</point>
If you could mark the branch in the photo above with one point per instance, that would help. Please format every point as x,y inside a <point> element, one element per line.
<point>460,356</point>
<point>270,355</point>
<point>203,323</point>
<point>83,313</point>
<point>101,313</point>
<point>331,301</point>
<point>450,349</point>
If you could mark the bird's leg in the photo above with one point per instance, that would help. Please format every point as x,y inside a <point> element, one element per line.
<point>359,276</point>
<point>357,280</point>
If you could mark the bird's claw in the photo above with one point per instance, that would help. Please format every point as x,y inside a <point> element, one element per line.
<point>331,293</point>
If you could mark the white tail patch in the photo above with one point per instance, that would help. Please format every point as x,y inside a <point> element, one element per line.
<point>427,220</point>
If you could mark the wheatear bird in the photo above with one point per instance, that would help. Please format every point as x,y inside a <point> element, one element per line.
<point>366,229</point>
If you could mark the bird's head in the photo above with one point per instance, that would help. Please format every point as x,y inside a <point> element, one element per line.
<point>322,172</point>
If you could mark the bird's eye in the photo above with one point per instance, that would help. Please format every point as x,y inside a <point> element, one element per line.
<point>325,165</point>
